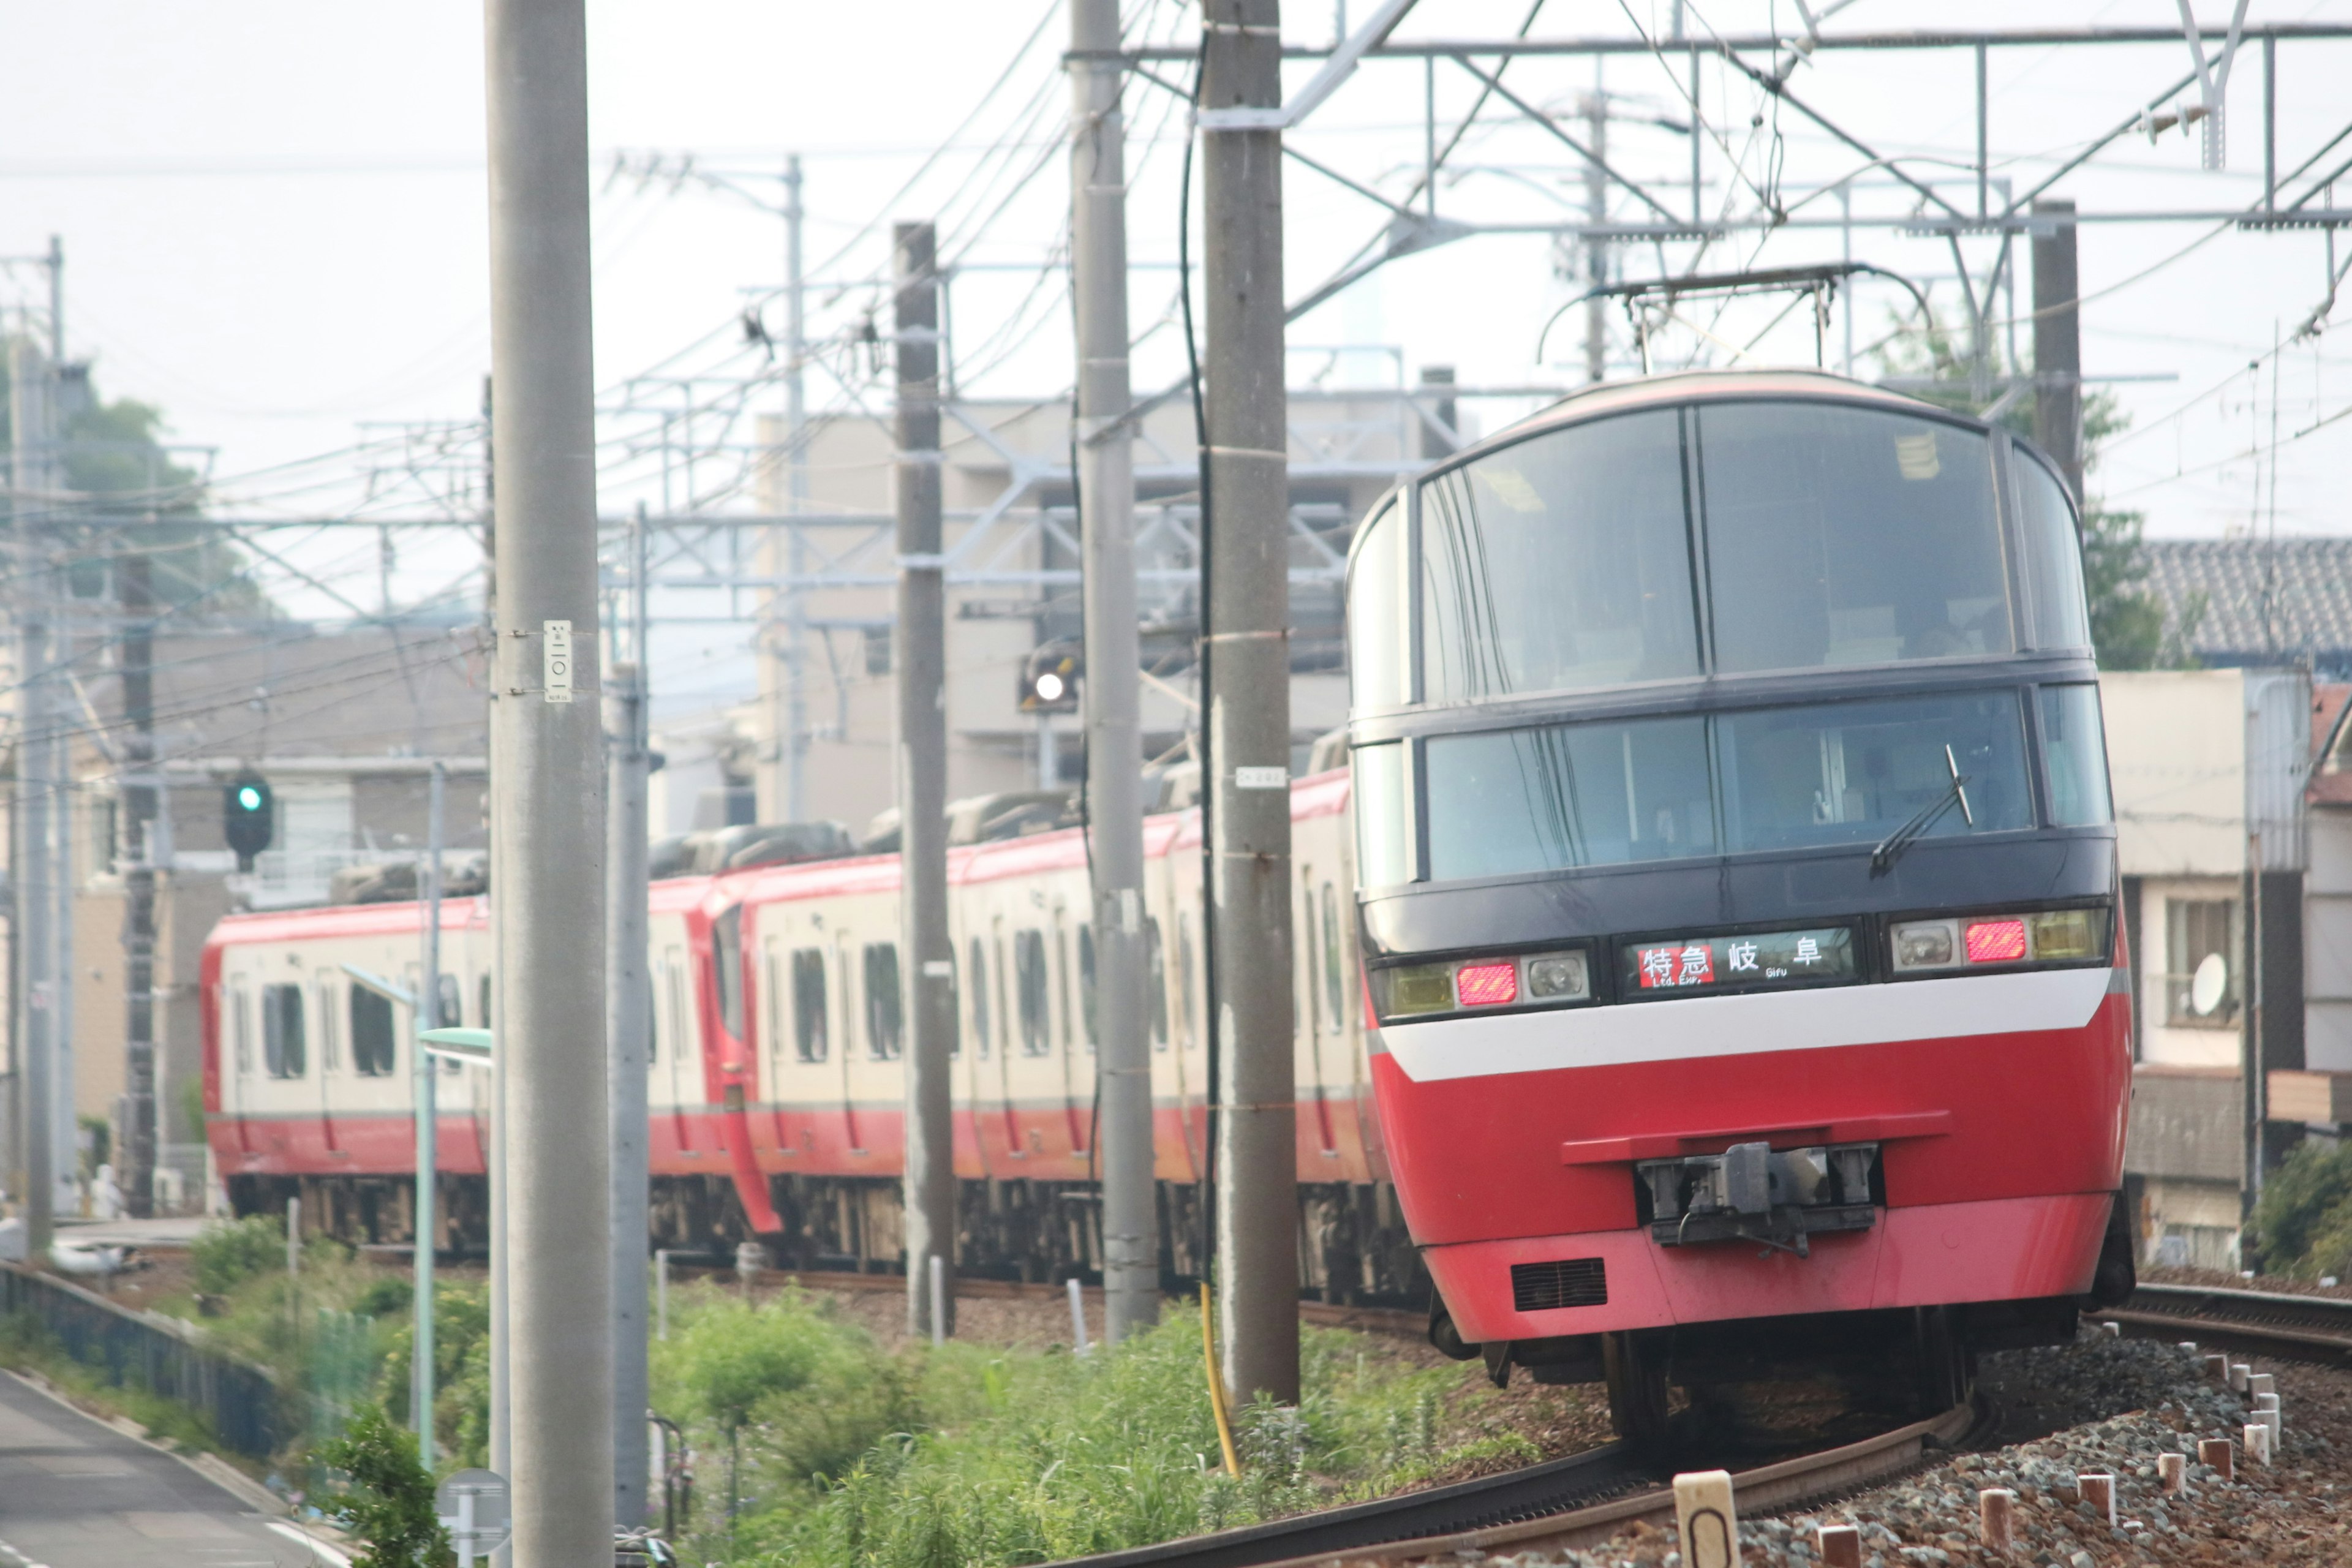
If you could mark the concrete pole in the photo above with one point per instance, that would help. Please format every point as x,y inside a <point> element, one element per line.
<point>135,583</point>
<point>32,906</point>
<point>502,1432</point>
<point>1249,708</point>
<point>1112,688</point>
<point>1437,386</point>
<point>797,478</point>
<point>426,1072</point>
<point>628,1020</point>
<point>551,912</point>
<point>1596,210</point>
<point>2058,339</point>
<point>926,962</point>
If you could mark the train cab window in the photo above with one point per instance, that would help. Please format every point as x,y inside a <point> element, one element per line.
<point>808,1004</point>
<point>1383,813</point>
<point>980,998</point>
<point>674,1008</point>
<point>1087,1005</point>
<point>1852,772</point>
<point>1378,635</point>
<point>331,1052</point>
<point>2053,556</point>
<point>727,960</point>
<point>1335,989</point>
<point>1029,976</point>
<point>1838,535</point>
<point>482,1020</point>
<point>884,1024</point>
<point>282,1053</point>
<point>2074,749</point>
<point>1156,964</point>
<point>1546,799</point>
<point>372,1050</point>
<point>1562,560</point>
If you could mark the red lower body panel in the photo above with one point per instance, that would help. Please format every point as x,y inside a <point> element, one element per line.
<point>2000,1249</point>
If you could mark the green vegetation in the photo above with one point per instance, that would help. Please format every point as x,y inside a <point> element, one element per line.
<point>388,1503</point>
<point>2303,1222</point>
<point>26,1345</point>
<point>228,1253</point>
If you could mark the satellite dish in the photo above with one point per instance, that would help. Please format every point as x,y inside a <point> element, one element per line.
<point>2205,989</point>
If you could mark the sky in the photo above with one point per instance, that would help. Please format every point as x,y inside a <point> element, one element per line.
<point>274,220</point>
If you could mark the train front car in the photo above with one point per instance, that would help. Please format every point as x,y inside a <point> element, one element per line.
<point>1737,887</point>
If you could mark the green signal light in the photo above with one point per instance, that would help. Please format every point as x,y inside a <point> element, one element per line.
<point>250,798</point>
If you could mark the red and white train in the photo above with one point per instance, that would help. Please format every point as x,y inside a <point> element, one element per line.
<point>1738,888</point>
<point>776,1087</point>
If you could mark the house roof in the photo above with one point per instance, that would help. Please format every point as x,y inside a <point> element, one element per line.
<point>2267,602</point>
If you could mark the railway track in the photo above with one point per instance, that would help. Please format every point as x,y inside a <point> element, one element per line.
<point>2297,1328</point>
<point>1573,1502</point>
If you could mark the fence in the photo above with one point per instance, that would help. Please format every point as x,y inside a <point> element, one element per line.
<point>235,1399</point>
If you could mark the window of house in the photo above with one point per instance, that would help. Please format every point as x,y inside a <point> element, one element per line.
<point>371,1032</point>
<point>885,1022</point>
<point>2200,979</point>
<point>808,1004</point>
<point>282,1053</point>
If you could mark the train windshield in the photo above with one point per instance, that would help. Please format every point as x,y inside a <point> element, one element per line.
<point>1719,538</point>
<point>1552,797</point>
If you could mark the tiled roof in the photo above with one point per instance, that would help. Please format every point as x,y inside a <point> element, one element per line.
<point>2267,601</point>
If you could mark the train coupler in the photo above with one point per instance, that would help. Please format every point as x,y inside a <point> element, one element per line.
<point>1752,1192</point>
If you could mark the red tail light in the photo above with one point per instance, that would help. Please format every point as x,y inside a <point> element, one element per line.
<point>1996,942</point>
<point>1487,984</point>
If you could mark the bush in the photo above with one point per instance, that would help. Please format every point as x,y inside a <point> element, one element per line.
<point>389,1506</point>
<point>228,1253</point>
<point>2303,1222</point>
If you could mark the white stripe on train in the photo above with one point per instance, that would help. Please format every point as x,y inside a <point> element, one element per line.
<point>1740,1026</point>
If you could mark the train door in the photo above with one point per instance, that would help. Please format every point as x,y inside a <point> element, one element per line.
<point>775,1030</point>
<point>239,995</point>
<point>1008,1119</point>
<point>1309,1023</point>
<point>1073,1107</point>
<point>322,997</point>
<point>985,1000</point>
<point>844,956</point>
<point>684,1064</point>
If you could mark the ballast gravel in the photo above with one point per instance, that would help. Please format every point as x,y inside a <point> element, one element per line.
<point>2298,1510</point>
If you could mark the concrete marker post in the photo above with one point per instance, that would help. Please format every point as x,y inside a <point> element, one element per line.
<point>1997,1519</point>
<point>1840,1546</point>
<point>2173,1470</point>
<point>1705,1519</point>
<point>2220,1456</point>
<point>2099,1491</point>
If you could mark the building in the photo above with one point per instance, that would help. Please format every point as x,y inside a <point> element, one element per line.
<point>2255,604</point>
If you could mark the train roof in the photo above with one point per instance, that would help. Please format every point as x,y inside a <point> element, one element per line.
<point>1703,386</point>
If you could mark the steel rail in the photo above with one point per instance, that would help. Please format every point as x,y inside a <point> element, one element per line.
<point>1542,1507</point>
<point>2296,1327</point>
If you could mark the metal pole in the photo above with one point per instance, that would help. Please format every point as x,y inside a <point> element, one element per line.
<point>796,472</point>
<point>2057,341</point>
<point>1596,250</point>
<point>1983,129</point>
<point>501,1433</point>
<point>31,907</point>
<point>1112,686</point>
<point>1437,379</point>
<point>1248,704</point>
<point>551,913</point>
<point>925,960</point>
<point>134,582</point>
<point>628,1021</point>
<point>427,1074</point>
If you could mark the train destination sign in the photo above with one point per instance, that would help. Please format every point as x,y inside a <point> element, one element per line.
<point>1749,959</point>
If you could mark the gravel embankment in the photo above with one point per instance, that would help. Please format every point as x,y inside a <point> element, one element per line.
<point>2296,1511</point>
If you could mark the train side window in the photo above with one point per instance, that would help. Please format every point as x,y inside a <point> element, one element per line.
<point>451,1009</point>
<point>371,1032</point>
<point>674,1003</point>
<point>884,1021</point>
<point>1377,631</point>
<point>1335,990</point>
<point>771,1001</point>
<point>240,1013</point>
<point>1156,964</point>
<point>2073,747</point>
<point>1029,963</point>
<point>1306,1016</point>
<point>2053,555</point>
<point>483,1020</point>
<point>282,1053</point>
<point>330,1053</point>
<point>980,997</point>
<point>808,1004</point>
<point>1062,973</point>
<point>727,959</point>
<point>1383,813</point>
<point>1184,982</point>
<point>1087,1007</point>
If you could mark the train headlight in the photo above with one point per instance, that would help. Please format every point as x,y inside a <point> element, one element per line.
<point>1539,980</point>
<point>1417,988</point>
<point>1558,977</point>
<point>1980,942</point>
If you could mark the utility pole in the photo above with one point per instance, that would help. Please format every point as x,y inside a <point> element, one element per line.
<point>797,481</point>
<point>1248,702</point>
<point>1437,384</point>
<point>1112,686</point>
<point>927,961</point>
<point>425,1070</point>
<point>33,912</point>
<point>1596,211</point>
<point>501,1424</point>
<point>2058,339</point>
<point>134,582</point>
<point>549,748</point>
<point>628,1021</point>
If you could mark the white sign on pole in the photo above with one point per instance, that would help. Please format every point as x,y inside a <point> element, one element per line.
<point>473,1509</point>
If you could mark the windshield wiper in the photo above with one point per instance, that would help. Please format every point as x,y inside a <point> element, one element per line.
<point>1890,848</point>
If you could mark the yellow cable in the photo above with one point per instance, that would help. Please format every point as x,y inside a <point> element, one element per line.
<point>1217,1388</point>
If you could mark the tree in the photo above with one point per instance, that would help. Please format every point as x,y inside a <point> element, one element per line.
<point>389,1505</point>
<point>2130,628</point>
